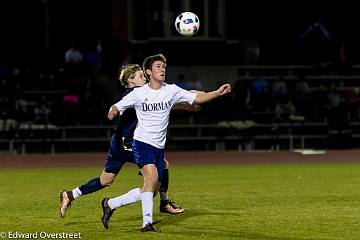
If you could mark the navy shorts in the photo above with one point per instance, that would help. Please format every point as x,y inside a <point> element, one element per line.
<point>117,156</point>
<point>146,154</point>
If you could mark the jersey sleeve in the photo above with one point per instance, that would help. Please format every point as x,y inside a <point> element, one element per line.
<point>127,102</point>
<point>182,95</point>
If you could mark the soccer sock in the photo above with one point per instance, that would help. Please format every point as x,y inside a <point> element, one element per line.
<point>164,196</point>
<point>91,186</point>
<point>76,192</point>
<point>147,204</point>
<point>164,186</point>
<point>128,198</point>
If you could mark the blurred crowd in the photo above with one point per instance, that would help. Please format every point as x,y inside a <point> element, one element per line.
<point>52,92</point>
<point>69,93</point>
<point>296,100</point>
<point>266,99</point>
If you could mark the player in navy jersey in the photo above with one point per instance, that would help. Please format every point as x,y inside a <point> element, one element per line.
<point>153,103</point>
<point>131,76</point>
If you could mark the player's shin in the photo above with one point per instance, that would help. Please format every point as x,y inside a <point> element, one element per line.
<point>91,186</point>
<point>164,185</point>
<point>147,204</point>
<point>130,197</point>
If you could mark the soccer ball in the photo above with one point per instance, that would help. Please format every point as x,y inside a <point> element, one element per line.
<point>187,23</point>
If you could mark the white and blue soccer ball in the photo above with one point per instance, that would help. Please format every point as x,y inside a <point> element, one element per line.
<point>187,23</point>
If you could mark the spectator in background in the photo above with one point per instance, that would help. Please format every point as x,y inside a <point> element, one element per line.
<point>261,97</point>
<point>302,97</point>
<point>7,116</point>
<point>70,106</point>
<point>42,111</point>
<point>353,101</point>
<point>99,50</point>
<point>239,84</point>
<point>22,113</point>
<point>89,103</point>
<point>92,57</point>
<point>343,61</point>
<point>259,85</point>
<point>194,83</point>
<point>321,103</point>
<point>284,108</point>
<point>181,82</point>
<point>342,55</point>
<point>241,98</point>
<point>73,55</point>
<point>338,109</point>
<point>279,88</point>
<point>74,62</point>
<point>339,132</point>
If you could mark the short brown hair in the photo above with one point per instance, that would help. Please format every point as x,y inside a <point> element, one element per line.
<point>128,71</point>
<point>149,61</point>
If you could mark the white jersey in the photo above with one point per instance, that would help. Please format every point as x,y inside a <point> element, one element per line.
<point>153,110</point>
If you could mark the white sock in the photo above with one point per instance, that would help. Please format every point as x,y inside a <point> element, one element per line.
<point>163,196</point>
<point>147,203</point>
<point>76,193</point>
<point>128,198</point>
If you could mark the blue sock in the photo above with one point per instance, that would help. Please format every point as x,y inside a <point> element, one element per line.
<point>91,186</point>
<point>165,181</point>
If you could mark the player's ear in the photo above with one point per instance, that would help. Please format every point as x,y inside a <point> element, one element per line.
<point>131,80</point>
<point>148,71</point>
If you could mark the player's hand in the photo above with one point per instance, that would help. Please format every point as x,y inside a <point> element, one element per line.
<point>113,111</point>
<point>224,89</point>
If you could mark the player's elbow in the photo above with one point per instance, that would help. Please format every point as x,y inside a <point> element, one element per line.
<point>199,99</point>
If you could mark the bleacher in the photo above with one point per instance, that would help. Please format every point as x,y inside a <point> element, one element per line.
<point>204,132</point>
<point>212,137</point>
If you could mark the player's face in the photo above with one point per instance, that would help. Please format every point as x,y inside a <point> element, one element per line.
<point>158,71</point>
<point>139,79</point>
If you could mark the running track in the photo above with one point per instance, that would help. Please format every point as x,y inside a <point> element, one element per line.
<point>179,158</point>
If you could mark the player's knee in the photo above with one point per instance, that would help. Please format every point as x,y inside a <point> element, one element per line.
<point>106,181</point>
<point>107,184</point>
<point>150,184</point>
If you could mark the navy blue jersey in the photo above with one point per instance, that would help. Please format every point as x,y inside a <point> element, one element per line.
<point>126,124</point>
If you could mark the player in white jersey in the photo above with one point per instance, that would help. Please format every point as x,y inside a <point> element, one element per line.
<point>120,153</point>
<point>152,104</point>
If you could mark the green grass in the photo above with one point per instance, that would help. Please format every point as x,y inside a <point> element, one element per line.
<point>304,201</point>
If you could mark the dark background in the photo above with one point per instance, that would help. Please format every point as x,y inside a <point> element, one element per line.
<point>39,87</point>
<point>35,28</point>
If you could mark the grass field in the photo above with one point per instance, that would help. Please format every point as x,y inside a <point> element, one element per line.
<point>298,201</point>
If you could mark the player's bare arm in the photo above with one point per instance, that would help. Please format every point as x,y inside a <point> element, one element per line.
<point>196,91</point>
<point>189,107</point>
<point>206,97</point>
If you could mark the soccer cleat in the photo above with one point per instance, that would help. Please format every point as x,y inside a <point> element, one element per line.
<point>167,206</point>
<point>149,228</point>
<point>107,212</point>
<point>66,198</point>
